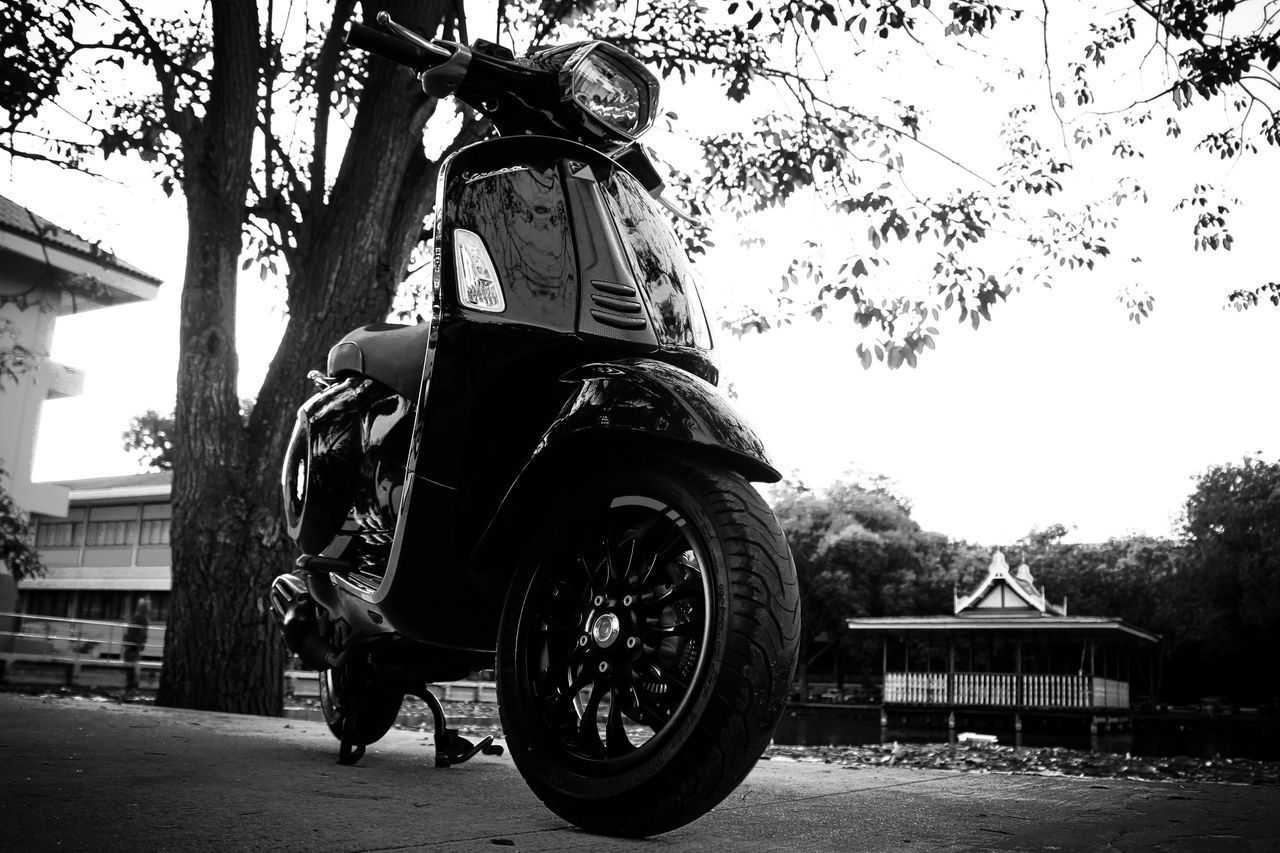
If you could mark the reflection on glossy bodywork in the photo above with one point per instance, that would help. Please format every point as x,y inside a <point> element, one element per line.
<point>660,263</point>
<point>648,396</point>
<point>322,471</point>
<point>520,214</point>
<point>386,437</point>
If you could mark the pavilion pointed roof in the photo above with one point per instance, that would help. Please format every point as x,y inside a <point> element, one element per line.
<point>1006,591</point>
<point>1006,603</point>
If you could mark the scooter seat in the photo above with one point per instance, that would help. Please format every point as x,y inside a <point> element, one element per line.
<point>391,353</point>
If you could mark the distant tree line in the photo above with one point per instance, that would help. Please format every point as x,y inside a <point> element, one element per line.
<point>1212,593</point>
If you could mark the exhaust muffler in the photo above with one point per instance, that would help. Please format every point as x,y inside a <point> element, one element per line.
<point>297,618</point>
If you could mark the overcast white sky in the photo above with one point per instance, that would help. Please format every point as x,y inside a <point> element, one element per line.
<point>1060,411</point>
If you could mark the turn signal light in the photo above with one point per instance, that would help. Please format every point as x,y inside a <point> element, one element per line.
<point>478,285</point>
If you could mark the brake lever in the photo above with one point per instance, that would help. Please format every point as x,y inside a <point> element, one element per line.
<point>413,38</point>
<point>662,200</point>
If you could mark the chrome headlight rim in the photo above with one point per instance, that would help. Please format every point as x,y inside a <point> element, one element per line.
<point>646,85</point>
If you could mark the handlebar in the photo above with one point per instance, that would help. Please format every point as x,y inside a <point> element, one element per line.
<point>389,47</point>
<point>481,78</point>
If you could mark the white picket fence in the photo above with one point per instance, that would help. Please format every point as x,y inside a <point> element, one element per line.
<point>1004,690</point>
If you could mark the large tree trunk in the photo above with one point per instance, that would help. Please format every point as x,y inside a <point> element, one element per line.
<point>214,657</point>
<point>222,649</point>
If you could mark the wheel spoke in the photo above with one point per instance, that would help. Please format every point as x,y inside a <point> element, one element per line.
<point>618,548</point>
<point>565,697</point>
<point>558,667</point>
<point>610,573</point>
<point>615,733</point>
<point>650,524</point>
<point>670,534</point>
<point>593,575</point>
<point>690,587</point>
<point>674,539</point>
<point>588,726</point>
<point>648,573</point>
<point>631,558</point>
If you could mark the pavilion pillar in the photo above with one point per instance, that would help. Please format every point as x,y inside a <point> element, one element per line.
<point>951,675</point>
<point>1092,675</point>
<point>1018,693</point>
<point>884,662</point>
<point>838,672</point>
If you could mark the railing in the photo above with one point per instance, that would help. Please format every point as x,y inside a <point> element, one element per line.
<point>1109,693</point>
<point>1004,689</point>
<point>79,639</point>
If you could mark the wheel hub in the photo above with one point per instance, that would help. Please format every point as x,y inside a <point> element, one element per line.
<point>605,630</point>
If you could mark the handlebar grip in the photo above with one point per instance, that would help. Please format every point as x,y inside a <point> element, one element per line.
<point>389,47</point>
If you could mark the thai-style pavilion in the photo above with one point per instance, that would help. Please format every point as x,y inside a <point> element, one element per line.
<point>1007,650</point>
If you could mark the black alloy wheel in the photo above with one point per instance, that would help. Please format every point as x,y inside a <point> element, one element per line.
<point>620,644</point>
<point>647,646</point>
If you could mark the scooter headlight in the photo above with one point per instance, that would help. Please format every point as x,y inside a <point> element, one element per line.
<point>611,89</point>
<point>478,285</point>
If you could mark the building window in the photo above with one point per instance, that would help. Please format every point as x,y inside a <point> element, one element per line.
<point>111,526</point>
<point>46,602</point>
<point>58,534</point>
<point>110,533</point>
<point>155,531</point>
<point>107,606</point>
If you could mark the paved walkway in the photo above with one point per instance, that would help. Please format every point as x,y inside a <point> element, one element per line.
<point>83,775</point>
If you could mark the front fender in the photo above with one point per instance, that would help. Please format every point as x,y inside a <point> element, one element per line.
<point>649,399</point>
<point>631,405</point>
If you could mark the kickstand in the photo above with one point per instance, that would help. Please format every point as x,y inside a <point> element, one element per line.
<point>452,748</point>
<point>350,752</point>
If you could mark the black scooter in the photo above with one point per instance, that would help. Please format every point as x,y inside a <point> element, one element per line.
<point>544,469</point>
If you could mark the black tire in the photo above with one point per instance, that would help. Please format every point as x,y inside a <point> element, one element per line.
<point>355,707</point>
<point>693,642</point>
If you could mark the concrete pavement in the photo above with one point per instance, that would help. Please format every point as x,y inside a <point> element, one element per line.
<point>83,775</point>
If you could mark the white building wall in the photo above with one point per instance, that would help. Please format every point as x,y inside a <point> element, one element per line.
<point>21,401</point>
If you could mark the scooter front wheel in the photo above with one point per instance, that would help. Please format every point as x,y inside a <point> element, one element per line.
<point>647,646</point>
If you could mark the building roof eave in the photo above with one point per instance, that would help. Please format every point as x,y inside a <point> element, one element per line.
<point>153,484</point>
<point>113,284</point>
<point>1032,623</point>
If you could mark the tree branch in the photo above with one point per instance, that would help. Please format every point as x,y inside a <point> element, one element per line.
<point>269,71</point>
<point>326,73</point>
<point>1048,70</point>
<point>183,122</point>
<point>22,153</point>
<point>898,132</point>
